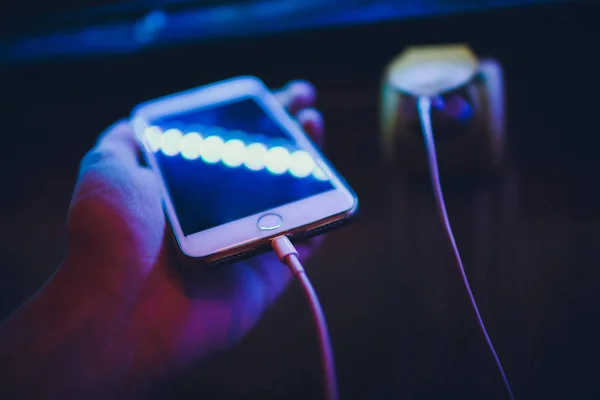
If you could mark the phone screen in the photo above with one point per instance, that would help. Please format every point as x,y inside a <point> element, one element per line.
<point>229,161</point>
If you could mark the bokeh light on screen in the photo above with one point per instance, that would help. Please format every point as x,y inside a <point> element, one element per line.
<point>212,149</point>
<point>171,142</point>
<point>302,164</point>
<point>320,174</point>
<point>278,160</point>
<point>191,145</point>
<point>234,153</point>
<point>255,156</point>
<point>153,136</point>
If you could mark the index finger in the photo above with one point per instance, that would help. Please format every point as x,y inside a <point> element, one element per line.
<point>297,95</point>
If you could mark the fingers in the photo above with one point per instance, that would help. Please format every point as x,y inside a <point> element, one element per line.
<point>116,146</point>
<point>312,123</point>
<point>274,277</point>
<point>297,95</point>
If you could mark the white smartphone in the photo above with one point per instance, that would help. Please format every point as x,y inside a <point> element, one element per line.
<point>236,170</point>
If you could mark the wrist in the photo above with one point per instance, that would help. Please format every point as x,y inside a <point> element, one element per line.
<point>68,341</point>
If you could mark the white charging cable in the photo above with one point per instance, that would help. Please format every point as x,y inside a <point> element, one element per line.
<point>424,106</point>
<point>288,255</point>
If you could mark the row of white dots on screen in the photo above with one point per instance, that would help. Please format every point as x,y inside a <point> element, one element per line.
<point>233,153</point>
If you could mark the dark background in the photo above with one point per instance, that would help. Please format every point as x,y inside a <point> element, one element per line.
<point>400,322</point>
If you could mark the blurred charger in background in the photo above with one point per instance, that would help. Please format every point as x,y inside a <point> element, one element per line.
<point>467,110</point>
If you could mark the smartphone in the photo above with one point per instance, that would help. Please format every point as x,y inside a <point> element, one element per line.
<point>236,170</point>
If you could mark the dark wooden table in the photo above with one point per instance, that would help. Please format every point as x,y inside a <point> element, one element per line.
<point>399,318</point>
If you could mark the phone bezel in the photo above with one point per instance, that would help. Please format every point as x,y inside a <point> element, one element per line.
<point>244,233</point>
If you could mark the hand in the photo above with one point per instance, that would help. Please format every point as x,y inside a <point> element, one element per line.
<point>148,317</point>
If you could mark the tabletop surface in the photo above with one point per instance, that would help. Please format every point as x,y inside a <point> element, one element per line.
<point>399,318</point>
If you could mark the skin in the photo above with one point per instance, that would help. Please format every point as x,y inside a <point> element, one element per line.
<point>120,316</point>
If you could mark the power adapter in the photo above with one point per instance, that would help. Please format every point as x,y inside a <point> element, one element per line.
<point>467,110</point>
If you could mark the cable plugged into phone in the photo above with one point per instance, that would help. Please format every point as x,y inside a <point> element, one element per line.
<point>424,108</point>
<point>288,255</point>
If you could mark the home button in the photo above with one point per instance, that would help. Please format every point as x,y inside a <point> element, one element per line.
<point>269,222</point>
